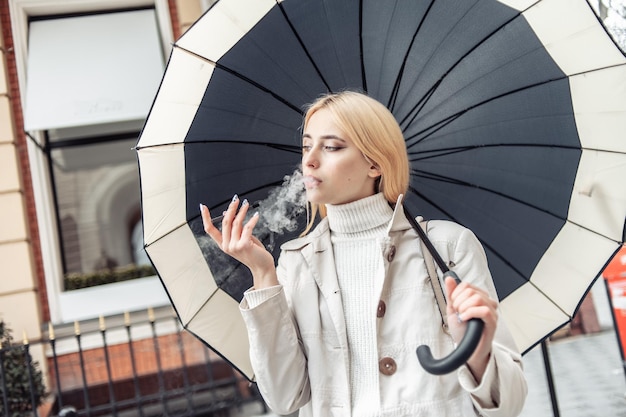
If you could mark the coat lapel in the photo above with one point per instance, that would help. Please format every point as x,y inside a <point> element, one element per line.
<point>320,259</point>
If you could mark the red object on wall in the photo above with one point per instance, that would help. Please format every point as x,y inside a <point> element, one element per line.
<point>615,278</point>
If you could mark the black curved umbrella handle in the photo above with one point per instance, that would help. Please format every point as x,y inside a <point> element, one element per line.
<point>461,354</point>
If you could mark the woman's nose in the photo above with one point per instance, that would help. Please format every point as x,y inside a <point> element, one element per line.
<point>310,159</point>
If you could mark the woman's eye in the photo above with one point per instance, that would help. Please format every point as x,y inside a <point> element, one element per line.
<point>327,148</point>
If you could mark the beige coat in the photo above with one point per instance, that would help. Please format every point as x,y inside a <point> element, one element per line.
<point>299,348</point>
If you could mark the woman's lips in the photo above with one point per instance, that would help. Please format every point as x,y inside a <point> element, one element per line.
<point>310,181</point>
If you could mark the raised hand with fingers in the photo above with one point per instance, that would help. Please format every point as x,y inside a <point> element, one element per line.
<point>236,239</point>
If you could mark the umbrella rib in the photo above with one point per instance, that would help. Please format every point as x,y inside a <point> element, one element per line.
<point>363,77</point>
<point>450,180</point>
<point>186,223</point>
<point>242,77</point>
<point>277,146</point>
<point>494,251</point>
<point>412,114</point>
<point>280,147</point>
<point>396,86</point>
<point>304,48</point>
<point>517,90</point>
<point>435,153</point>
<point>539,290</point>
<point>430,130</point>
<point>422,101</point>
<point>213,293</point>
<point>169,232</point>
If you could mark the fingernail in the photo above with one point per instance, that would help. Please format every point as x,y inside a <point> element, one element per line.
<point>200,206</point>
<point>235,198</point>
<point>245,201</point>
<point>255,214</point>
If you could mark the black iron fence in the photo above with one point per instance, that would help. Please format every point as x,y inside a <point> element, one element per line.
<point>143,367</point>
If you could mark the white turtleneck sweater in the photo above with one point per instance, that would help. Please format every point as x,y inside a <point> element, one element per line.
<point>356,229</point>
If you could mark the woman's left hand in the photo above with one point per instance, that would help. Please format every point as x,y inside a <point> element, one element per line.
<point>466,302</point>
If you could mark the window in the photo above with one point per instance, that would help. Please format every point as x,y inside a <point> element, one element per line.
<point>88,79</point>
<point>96,188</point>
<point>86,84</point>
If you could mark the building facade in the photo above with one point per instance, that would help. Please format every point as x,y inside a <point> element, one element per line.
<point>70,113</point>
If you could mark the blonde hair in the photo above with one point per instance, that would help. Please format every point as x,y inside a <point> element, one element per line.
<point>375,132</point>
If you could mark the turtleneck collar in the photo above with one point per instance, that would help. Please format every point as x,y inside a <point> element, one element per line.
<point>359,216</point>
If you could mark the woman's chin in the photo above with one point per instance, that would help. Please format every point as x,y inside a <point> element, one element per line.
<point>313,196</point>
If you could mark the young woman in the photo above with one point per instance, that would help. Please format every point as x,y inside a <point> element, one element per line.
<point>334,327</point>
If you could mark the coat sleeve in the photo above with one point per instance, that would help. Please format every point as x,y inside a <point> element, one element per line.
<point>276,352</point>
<point>503,388</point>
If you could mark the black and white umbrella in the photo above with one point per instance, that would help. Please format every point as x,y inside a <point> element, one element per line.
<point>513,113</point>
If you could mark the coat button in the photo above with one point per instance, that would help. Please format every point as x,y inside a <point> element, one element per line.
<point>387,366</point>
<point>392,253</point>
<point>380,311</point>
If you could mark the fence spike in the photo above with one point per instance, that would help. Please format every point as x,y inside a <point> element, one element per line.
<point>151,314</point>
<point>24,337</point>
<point>76,328</point>
<point>126,318</point>
<point>50,331</point>
<point>103,326</point>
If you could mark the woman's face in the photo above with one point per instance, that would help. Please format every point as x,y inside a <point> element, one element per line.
<point>335,171</point>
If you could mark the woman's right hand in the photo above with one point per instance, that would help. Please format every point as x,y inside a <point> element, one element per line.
<point>236,240</point>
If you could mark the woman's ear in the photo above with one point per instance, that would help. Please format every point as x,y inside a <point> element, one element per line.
<point>374,171</point>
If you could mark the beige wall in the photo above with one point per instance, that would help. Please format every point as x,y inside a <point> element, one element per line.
<point>19,301</point>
